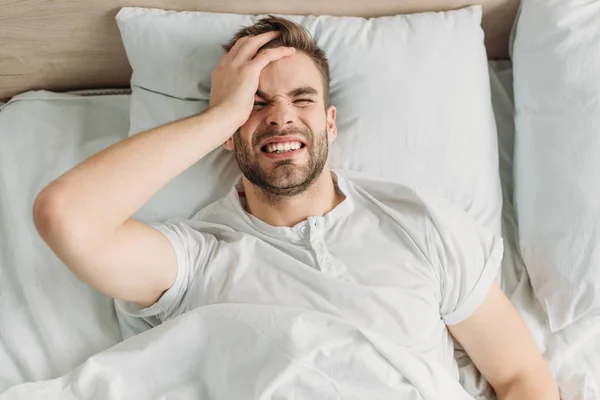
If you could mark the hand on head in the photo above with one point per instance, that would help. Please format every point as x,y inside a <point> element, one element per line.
<point>235,80</point>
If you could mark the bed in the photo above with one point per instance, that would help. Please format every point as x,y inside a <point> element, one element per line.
<point>73,76</point>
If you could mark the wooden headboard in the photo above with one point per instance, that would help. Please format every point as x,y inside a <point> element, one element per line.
<point>75,44</point>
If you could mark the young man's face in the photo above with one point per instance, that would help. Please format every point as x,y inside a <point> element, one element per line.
<point>283,146</point>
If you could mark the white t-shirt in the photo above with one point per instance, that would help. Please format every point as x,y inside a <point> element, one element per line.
<point>387,257</point>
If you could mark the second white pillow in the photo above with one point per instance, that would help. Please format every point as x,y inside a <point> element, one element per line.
<point>557,154</point>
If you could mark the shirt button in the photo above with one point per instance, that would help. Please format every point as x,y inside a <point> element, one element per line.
<point>303,229</point>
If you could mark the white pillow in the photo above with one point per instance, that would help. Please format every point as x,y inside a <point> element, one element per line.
<point>556,59</point>
<point>412,93</point>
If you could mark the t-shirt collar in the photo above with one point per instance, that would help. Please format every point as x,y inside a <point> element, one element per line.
<point>236,197</point>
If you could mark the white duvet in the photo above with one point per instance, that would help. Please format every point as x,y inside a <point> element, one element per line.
<point>244,351</point>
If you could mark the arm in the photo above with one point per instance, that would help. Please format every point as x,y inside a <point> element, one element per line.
<point>502,348</point>
<point>85,215</point>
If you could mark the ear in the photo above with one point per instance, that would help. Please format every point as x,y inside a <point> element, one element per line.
<point>228,145</point>
<point>331,126</point>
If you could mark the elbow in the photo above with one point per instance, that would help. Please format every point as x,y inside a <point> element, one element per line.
<point>57,227</point>
<point>46,213</point>
<point>65,230</point>
<point>53,220</point>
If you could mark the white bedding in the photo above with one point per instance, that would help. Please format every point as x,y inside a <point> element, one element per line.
<point>245,351</point>
<point>573,354</point>
<point>50,322</point>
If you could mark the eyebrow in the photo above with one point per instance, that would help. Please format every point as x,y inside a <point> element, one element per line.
<point>302,91</point>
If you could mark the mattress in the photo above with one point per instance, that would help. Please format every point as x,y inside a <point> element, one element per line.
<point>50,322</point>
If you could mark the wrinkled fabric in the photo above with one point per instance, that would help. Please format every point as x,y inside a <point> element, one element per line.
<point>234,351</point>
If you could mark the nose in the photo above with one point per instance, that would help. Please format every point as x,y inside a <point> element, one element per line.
<point>280,114</point>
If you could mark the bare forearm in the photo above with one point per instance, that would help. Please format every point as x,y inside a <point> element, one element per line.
<point>530,389</point>
<point>108,188</point>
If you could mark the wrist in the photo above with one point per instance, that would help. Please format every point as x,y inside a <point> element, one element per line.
<point>230,116</point>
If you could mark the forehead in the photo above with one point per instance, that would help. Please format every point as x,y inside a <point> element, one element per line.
<point>289,73</point>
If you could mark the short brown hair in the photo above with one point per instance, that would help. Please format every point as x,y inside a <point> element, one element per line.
<point>292,35</point>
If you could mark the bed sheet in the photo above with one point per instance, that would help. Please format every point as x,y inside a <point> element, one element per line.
<point>50,322</point>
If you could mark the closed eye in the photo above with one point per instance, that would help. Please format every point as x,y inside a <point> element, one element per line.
<point>259,104</point>
<point>303,101</point>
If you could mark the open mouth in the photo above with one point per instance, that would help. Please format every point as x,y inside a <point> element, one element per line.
<point>284,147</point>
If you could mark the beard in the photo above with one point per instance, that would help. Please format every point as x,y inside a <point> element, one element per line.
<point>285,179</point>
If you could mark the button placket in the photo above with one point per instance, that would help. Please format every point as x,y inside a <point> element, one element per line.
<point>319,246</point>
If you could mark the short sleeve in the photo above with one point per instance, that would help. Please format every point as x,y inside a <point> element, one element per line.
<point>467,258</point>
<point>193,251</point>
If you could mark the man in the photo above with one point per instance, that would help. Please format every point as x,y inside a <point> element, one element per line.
<point>293,233</point>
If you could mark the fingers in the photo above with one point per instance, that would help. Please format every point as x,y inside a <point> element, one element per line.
<point>250,46</point>
<point>269,55</point>
<point>236,47</point>
<point>244,51</point>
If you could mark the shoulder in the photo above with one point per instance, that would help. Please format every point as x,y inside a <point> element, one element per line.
<point>219,219</point>
<point>217,208</point>
<point>391,197</point>
<point>399,198</point>
<point>399,211</point>
<point>420,212</point>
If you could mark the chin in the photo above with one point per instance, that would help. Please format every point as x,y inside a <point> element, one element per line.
<point>287,176</point>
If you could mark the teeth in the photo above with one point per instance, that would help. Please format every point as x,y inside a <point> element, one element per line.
<point>281,147</point>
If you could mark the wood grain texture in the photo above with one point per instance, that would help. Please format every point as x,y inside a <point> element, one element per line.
<point>75,44</point>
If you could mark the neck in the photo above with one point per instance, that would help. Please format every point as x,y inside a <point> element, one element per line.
<point>320,198</point>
